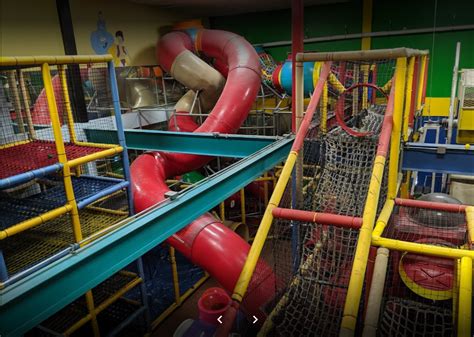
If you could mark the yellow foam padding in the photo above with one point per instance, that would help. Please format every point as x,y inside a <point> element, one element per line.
<point>466,119</point>
<point>465,133</point>
<point>436,106</point>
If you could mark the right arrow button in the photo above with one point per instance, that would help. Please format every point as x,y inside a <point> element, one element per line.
<point>255,319</point>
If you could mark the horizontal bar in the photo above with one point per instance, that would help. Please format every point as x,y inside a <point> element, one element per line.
<point>95,156</point>
<point>438,158</point>
<point>210,144</point>
<point>37,220</point>
<point>38,60</point>
<point>360,55</point>
<point>372,34</point>
<point>28,302</point>
<point>420,248</point>
<point>439,206</point>
<point>27,176</point>
<point>322,218</point>
<point>99,145</point>
<point>103,178</point>
<point>109,190</point>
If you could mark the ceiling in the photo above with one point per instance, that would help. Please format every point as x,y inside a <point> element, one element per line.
<point>228,7</point>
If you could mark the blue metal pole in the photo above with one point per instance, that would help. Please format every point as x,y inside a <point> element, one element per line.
<point>3,268</point>
<point>30,175</point>
<point>144,294</point>
<point>109,190</point>
<point>120,132</point>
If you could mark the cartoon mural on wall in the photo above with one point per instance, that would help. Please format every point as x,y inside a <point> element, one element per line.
<point>101,39</point>
<point>103,43</point>
<point>119,51</point>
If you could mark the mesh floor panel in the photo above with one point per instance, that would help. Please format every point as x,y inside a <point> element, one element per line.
<point>14,211</point>
<point>34,245</point>
<point>37,154</point>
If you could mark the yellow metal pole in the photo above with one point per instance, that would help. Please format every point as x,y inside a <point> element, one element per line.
<point>263,229</point>
<point>324,109</point>
<point>384,216</point>
<point>421,78</point>
<point>470,223</point>
<point>222,210</point>
<point>465,298</point>
<point>365,78</point>
<point>6,146</point>
<point>393,170</point>
<point>61,151</point>
<point>16,100</point>
<point>39,60</point>
<point>242,206</point>
<point>356,282</point>
<point>91,309</point>
<point>37,220</point>
<point>335,83</point>
<point>26,103</point>
<point>408,102</point>
<point>67,104</point>
<point>174,273</point>
<point>355,93</point>
<point>366,23</point>
<point>95,156</point>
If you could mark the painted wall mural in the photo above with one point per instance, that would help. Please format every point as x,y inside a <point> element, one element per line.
<point>103,42</point>
<point>101,39</point>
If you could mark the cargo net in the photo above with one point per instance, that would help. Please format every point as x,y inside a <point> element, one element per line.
<point>25,120</point>
<point>312,261</point>
<point>419,289</point>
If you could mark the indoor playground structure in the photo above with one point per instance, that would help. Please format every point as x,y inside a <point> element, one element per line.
<point>223,193</point>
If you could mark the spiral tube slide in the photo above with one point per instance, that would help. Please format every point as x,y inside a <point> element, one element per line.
<point>206,242</point>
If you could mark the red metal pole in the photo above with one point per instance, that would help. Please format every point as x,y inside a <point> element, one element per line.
<point>322,218</point>
<point>438,206</point>
<point>313,103</point>
<point>297,46</point>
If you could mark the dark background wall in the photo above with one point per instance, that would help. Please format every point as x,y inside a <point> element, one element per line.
<point>346,18</point>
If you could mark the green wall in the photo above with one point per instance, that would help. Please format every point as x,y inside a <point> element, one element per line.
<point>346,18</point>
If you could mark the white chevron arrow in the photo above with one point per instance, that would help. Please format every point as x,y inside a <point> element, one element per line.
<point>219,319</point>
<point>255,319</point>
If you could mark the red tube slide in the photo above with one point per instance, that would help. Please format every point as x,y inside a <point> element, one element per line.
<point>206,241</point>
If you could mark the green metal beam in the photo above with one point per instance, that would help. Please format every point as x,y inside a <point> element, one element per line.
<point>28,302</point>
<point>209,144</point>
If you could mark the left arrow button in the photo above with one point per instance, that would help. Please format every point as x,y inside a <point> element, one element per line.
<point>219,319</point>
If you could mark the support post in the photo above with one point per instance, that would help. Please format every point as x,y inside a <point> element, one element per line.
<point>366,23</point>
<point>452,101</point>
<point>297,46</point>
<point>69,43</point>
<point>395,140</point>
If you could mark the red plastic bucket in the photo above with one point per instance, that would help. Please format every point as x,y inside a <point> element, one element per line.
<point>212,304</point>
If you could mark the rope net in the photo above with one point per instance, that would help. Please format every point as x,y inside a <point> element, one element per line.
<point>313,261</point>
